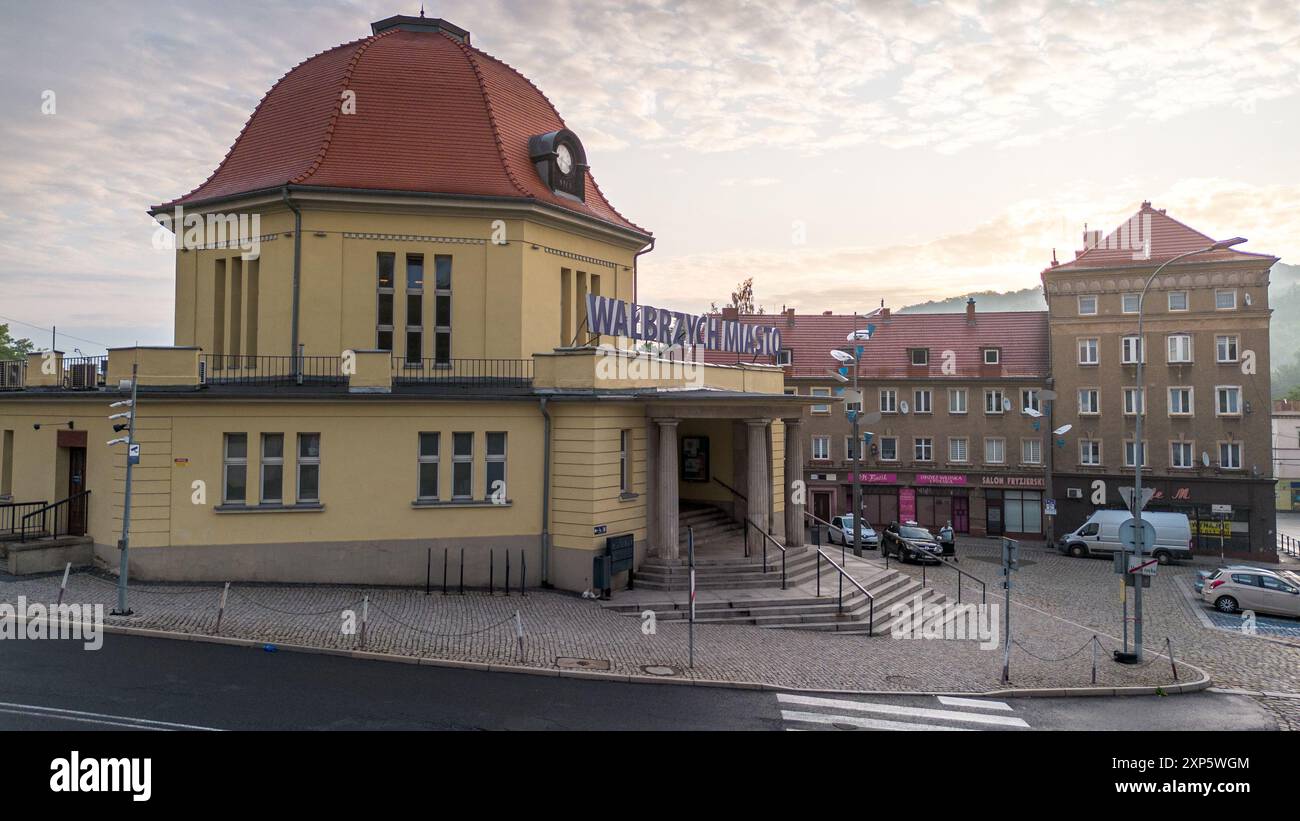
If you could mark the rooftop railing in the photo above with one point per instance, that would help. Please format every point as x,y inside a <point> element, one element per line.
<point>239,369</point>
<point>84,373</point>
<point>13,375</point>
<point>485,374</point>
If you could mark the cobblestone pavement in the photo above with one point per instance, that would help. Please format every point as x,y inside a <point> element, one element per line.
<point>477,627</point>
<point>1086,591</point>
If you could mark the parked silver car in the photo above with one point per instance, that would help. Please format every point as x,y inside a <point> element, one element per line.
<point>841,532</point>
<point>1234,589</point>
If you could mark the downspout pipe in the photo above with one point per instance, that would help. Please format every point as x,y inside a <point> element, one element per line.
<point>297,277</point>
<point>546,493</point>
<point>635,259</point>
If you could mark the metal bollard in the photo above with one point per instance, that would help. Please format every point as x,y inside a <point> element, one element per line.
<point>64,586</point>
<point>1169,646</point>
<point>507,585</point>
<point>492,570</point>
<point>523,571</point>
<point>444,570</point>
<point>428,570</point>
<point>221,608</point>
<point>519,631</point>
<point>462,571</point>
<point>1094,658</point>
<point>365,617</point>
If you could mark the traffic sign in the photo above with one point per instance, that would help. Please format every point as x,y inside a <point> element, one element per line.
<point>1049,507</point>
<point>1142,565</point>
<point>1137,540</point>
<point>1126,493</point>
<point>1225,510</point>
<point>133,454</point>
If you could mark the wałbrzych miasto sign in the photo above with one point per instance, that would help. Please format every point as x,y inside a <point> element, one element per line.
<point>614,317</point>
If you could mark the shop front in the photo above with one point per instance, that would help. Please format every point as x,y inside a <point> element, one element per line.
<point>975,505</point>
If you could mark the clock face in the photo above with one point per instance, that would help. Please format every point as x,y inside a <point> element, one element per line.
<point>563,158</point>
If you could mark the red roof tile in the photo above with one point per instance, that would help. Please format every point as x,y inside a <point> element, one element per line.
<point>433,115</point>
<point>1021,336</point>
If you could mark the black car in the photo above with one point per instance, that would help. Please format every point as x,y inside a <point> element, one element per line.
<point>910,543</point>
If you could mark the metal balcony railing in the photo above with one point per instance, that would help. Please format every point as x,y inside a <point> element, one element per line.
<point>478,374</point>
<point>13,375</point>
<point>238,369</point>
<point>84,373</point>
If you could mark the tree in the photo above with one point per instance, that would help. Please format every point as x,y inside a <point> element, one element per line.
<point>1294,393</point>
<point>11,348</point>
<point>742,299</point>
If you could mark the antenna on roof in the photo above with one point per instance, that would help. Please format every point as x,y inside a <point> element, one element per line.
<point>421,9</point>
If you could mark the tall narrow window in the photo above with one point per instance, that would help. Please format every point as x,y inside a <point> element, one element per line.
<point>272,468</point>
<point>236,311</point>
<point>414,299</point>
<point>7,464</point>
<point>308,467</point>
<point>442,310</point>
<point>428,460</point>
<point>625,461</point>
<point>219,315</point>
<point>1230,455</point>
<point>496,466</point>
<point>566,307</point>
<point>250,323</point>
<point>384,263</point>
<point>234,469</point>
<point>462,466</point>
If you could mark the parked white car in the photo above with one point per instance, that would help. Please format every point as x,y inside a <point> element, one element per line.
<point>841,532</point>
<point>1233,589</point>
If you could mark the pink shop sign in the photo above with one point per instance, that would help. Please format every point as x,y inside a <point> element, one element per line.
<point>878,478</point>
<point>940,479</point>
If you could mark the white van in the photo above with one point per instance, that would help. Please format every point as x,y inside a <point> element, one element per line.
<point>1099,536</point>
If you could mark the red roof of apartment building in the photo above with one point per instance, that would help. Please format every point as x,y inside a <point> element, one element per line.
<point>1149,231</point>
<point>432,114</point>
<point>1021,338</point>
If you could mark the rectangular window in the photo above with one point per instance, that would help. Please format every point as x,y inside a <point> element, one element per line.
<point>1225,348</point>
<point>428,466</point>
<point>956,400</point>
<point>920,356</point>
<point>1131,350</point>
<point>625,461</point>
<point>1031,451</point>
<point>1029,400</point>
<point>785,356</point>
<point>1089,401</point>
<point>442,310</point>
<point>821,448</point>
<point>1230,455</point>
<point>496,466</point>
<point>992,356</point>
<point>272,468</point>
<point>1180,401</point>
<point>921,398</point>
<point>994,402</point>
<point>889,448</point>
<point>995,451</point>
<point>1089,351</point>
<point>1134,401</point>
<point>7,464</point>
<point>234,471</point>
<point>888,401</point>
<point>1130,303</point>
<point>414,312</point>
<point>384,264</point>
<point>923,449</point>
<point>1087,306</point>
<point>848,448</point>
<point>308,467</point>
<point>1228,401</point>
<point>462,466</point>
<point>1180,349</point>
<point>958,449</point>
<point>1180,455</point>
<point>1225,299</point>
<point>1131,454</point>
<point>1089,452</point>
<point>1178,300</point>
<point>821,392</point>
<point>414,272</point>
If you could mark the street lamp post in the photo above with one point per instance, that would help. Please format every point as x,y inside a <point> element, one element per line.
<point>855,416</point>
<point>1139,450</point>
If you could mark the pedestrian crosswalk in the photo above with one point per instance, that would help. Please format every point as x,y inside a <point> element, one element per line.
<point>942,713</point>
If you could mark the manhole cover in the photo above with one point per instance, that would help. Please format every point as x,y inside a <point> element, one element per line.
<point>566,663</point>
<point>659,670</point>
<point>839,726</point>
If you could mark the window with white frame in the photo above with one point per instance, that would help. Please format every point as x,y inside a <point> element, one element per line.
<point>1179,349</point>
<point>442,310</point>
<point>462,466</point>
<point>1134,401</point>
<point>1088,305</point>
<point>1089,401</point>
<point>1225,299</point>
<point>1131,302</point>
<point>958,449</point>
<point>993,401</point>
<point>272,468</point>
<point>848,448</point>
<point>1089,351</point>
<point>923,449</point>
<point>820,392</point>
<point>308,467</point>
<point>1031,451</point>
<point>1227,400</point>
<point>1180,455</point>
<point>1178,300</point>
<point>785,356</point>
<point>625,461</point>
<point>889,448</point>
<point>921,401</point>
<point>1131,350</point>
<point>920,356</point>
<point>234,469</point>
<point>821,448</point>
<point>992,356</point>
<point>1029,400</point>
<point>1230,455</point>
<point>888,400</point>
<point>1180,401</point>
<point>956,400</point>
<point>427,482</point>
<point>995,450</point>
<point>1131,453</point>
<point>1089,452</point>
<point>495,467</point>
<point>1225,348</point>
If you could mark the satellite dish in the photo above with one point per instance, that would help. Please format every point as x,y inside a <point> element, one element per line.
<point>842,356</point>
<point>903,407</point>
<point>859,336</point>
<point>1062,430</point>
<point>1006,404</point>
<point>1033,413</point>
<point>1205,458</point>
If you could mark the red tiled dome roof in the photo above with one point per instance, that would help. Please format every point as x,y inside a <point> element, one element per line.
<point>433,114</point>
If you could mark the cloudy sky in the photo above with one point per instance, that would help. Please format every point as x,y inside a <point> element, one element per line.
<point>838,152</point>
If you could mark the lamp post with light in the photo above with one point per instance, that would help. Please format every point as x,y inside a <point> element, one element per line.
<point>855,416</point>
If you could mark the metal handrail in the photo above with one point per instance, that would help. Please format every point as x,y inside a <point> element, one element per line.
<point>1288,545</point>
<point>767,537</point>
<point>54,509</point>
<point>734,492</point>
<point>984,588</point>
<point>844,574</point>
<point>11,511</point>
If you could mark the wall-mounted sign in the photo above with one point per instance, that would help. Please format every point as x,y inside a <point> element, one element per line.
<point>133,454</point>
<point>695,458</point>
<point>614,317</point>
<point>878,478</point>
<point>1225,510</point>
<point>598,530</point>
<point>940,479</point>
<point>1011,481</point>
<point>907,504</point>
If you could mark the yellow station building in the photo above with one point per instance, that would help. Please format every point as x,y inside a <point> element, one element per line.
<point>383,356</point>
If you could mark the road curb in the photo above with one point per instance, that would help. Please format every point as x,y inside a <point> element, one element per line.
<point>1177,688</point>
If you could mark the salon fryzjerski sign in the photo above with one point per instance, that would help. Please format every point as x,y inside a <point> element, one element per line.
<point>614,317</point>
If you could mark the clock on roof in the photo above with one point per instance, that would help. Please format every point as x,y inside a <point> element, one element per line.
<point>561,162</point>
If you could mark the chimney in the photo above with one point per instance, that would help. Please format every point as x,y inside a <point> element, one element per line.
<point>730,312</point>
<point>884,314</point>
<point>970,310</point>
<point>789,317</point>
<point>828,313</point>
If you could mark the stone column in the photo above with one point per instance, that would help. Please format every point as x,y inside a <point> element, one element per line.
<point>758,487</point>
<point>794,518</point>
<point>666,513</point>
